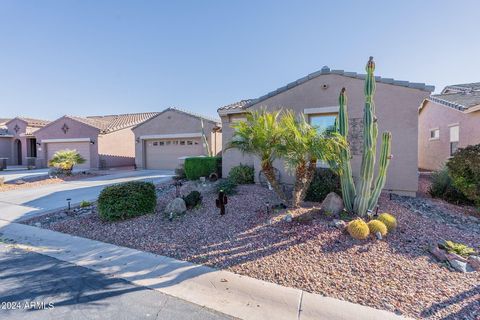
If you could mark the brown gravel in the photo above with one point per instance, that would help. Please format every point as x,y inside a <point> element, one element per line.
<point>43,180</point>
<point>397,274</point>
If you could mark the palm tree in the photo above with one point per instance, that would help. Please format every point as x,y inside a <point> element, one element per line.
<point>261,135</point>
<point>303,147</point>
<point>65,160</point>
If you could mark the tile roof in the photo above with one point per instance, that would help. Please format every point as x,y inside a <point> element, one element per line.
<point>111,123</point>
<point>465,87</point>
<point>324,71</point>
<point>31,122</point>
<point>459,100</point>
<point>193,114</point>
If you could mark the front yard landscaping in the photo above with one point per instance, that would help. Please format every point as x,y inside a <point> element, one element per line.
<point>397,273</point>
<point>34,182</point>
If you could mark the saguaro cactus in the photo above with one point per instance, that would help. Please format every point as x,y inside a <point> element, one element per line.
<point>362,197</point>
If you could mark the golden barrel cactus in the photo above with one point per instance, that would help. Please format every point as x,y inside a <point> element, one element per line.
<point>377,226</point>
<point>358,229</point>
<point>389,220</point>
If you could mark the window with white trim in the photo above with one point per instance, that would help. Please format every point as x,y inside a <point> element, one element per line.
<point>454,138</point>
<point>323,122</point>
<point>434,134</point>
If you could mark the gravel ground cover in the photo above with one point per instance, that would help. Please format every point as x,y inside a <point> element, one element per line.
<point>34,182</point>
<point>396,274</point>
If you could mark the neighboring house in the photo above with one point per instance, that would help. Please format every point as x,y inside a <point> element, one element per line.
<point>163,141</point>
<point>316,96</point>
<point>448,121</point>
<point>17,140</point>
<point>103,141</point>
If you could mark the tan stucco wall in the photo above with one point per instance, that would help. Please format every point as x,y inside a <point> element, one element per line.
<point>117,148</point>
<point>170,122</point>
<point>6,148</point>
<point>432,154</point>
<point>396,110</point>
<point>75,130</point>
<point>19,135</point>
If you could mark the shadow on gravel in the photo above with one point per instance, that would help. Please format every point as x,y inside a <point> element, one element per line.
<point>464,313</point>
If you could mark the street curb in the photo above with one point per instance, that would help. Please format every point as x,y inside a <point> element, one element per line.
<point>235,295</point>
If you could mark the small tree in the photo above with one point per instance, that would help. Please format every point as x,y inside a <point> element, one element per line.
<point>65,160</point>
<point>303,147</point>
<point>261,135</point>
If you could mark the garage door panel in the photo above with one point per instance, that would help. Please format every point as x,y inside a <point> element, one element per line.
<point>159,155</point>
<point>83,148</point>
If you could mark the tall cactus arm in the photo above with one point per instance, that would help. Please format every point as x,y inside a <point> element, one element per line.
<point>346,180</point>
<point>370,132</point>
<point>385,156</point>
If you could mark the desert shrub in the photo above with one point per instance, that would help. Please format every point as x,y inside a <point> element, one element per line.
<point>358,229</point>
<point>127,200</point>
<point>388,220</point>
<point>84,204</point>
<point>442,187</point>
<point>458,248</point>
<point>464,169</point>
<point>227,186</point>
<point>192,199</point>
<point>65,160</point>
<point>197,167</point>
<point>242,174</point>
<point>377,226</point>
<point>324,182</point>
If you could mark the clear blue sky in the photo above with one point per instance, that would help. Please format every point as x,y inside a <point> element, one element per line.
<point>90,57</point>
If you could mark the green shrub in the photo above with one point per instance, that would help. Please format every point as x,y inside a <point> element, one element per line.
<point>458,248</point>
<point>227,186</point>
<point>192,199</point>
<point>324,182</point>
<point>197,167</point>
<point>442,187</point>
<point>84,204</point>
<point>242,174</point>
<point>65,160</point>
<point>464,169</point>
<point>127,200</point>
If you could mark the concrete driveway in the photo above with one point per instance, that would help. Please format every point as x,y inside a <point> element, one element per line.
<point>34,286</point>
<point>10,175</point>
<point>16,205</point>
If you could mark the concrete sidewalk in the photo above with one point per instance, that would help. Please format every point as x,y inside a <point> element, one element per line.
<point>223,291</point>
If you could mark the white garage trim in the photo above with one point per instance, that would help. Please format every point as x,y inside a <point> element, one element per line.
<point>66,140</point>
<point>321,110</point>
<point>172,136</point>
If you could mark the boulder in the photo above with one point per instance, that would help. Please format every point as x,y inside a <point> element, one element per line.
<point>339,224</point>
<point>288,217</point>
<point>176,207</point>
<point>458,265</point>
<point>332,204</point>
<point>454,256</point>
<point>438,253</point>
<point>474,262</point>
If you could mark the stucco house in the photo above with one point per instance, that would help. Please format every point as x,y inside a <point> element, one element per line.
<point>448,121</point>
<point>163,141</point>
<point>17,140</point>
<point>103,141</point>
<point>316,96</point>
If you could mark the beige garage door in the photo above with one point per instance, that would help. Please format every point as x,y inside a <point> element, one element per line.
<point>82,147</point>
<point>164,153</point>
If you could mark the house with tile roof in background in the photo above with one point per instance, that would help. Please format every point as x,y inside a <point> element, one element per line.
<point>103,141</point>
<point>316,96</point>
<point>18,141</point>
<point>448,121</point>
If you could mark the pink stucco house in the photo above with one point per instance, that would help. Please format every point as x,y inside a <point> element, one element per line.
<point>316,96</point>
<point>17,140</point>
<point>448,121</point>
<point>103,141</point>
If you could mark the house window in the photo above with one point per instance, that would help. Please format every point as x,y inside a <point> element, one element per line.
<point>189,143</point>
<point>195,142</point>
<point>162,143</point>
<point>155,143</point>
<point>454,138</point>
<point>182,142</point>
<point>434,134</point>
<point>324,123</point>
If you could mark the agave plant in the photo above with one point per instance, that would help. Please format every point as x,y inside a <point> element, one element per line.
<point>303,147</point>
<point>261,135</point>
<point>65,160</point>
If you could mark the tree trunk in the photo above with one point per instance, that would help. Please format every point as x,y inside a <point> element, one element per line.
<point>303,178</point>
<point>270,176</point>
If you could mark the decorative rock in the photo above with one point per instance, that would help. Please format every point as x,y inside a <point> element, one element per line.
<point>288,218</point>
<point>454,256</point>
<point>474,262</point>
<point>38,224</point>
<point>458,265</point>
<point>332,204</point>
<point>438,253</point>
<point>339,224</point>
<point>378,235</point>
<point>176,206</point>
